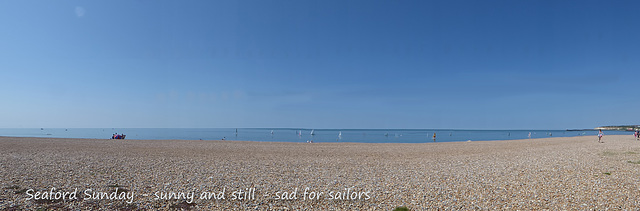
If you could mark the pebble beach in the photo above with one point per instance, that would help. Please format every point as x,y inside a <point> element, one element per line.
<point>531,174</point>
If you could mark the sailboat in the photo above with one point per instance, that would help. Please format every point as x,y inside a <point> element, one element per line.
<point>271,132</point>
<point>340,135</point>
<point>312,133</point>
<point>386,134</point>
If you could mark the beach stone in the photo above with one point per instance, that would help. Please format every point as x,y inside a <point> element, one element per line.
<point>550,173</point>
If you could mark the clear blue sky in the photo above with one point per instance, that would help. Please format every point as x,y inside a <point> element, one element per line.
<point>320,64</point>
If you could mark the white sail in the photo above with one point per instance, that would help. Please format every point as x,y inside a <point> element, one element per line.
<point>312,133</point>
<point>340,135</point>
<point>271,132</point>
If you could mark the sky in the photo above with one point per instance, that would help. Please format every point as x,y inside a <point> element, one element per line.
<point>459,64</point>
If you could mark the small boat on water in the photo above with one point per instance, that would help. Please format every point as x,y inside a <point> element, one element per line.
<point>312,133</point>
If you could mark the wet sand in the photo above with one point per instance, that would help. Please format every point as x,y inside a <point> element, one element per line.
<point>551,173</point>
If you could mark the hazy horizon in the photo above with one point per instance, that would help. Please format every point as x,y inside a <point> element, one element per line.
<point>299,128</point>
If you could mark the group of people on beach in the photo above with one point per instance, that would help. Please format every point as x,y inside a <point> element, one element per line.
<point>118,136</point>
<point>636,134</point>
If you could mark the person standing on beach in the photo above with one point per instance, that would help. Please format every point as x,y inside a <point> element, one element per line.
<point>600,134</point>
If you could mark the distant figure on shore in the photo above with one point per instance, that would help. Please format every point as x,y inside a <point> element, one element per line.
<point>637,134</point>
<point>434,137</point>
<point>118,136</point>
<point>600,134</point>
<point>529,135</point>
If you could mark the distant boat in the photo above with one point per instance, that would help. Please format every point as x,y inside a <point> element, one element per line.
<point>386,134</point>
<point>312,133</point>
<point>340,135</point>
<point>299,132</point>
<point>271,132</point>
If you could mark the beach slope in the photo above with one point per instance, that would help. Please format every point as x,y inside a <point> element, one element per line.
<point>551,173</point>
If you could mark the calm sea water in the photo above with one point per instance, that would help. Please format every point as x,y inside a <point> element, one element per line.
<point>300,135</point>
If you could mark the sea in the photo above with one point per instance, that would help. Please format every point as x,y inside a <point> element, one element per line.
<point>301,134</point>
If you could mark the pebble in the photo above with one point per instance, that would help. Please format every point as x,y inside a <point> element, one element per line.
<point>551,173</point>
